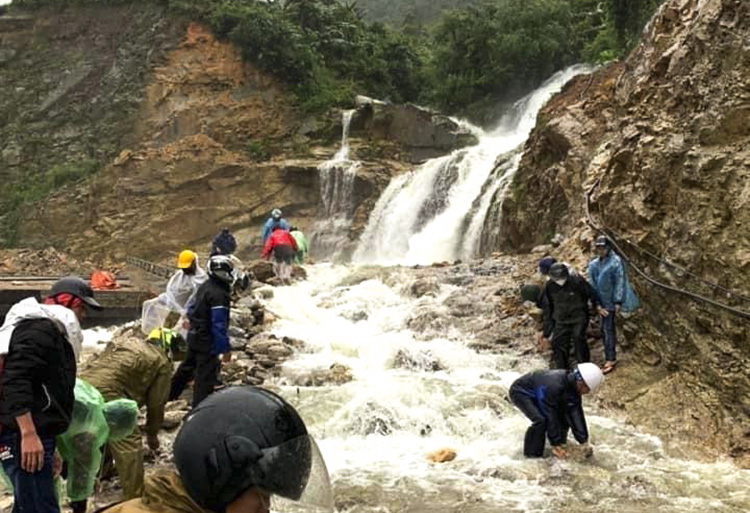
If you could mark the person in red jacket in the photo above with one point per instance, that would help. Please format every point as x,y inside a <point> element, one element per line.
<point>284,248</point>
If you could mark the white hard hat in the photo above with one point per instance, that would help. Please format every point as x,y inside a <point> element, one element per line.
<point>591,374</point>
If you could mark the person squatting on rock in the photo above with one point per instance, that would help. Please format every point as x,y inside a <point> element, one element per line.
<point>40,343</point>
<point>302,245</point>
<point>238,450</point>
<point>208,338</point>
<point>284,248</point>
<point>141,371</point>
<point>224,243</point>
<point>272,223</point>
<point>551,399</point>
<point>607,275</point>
<point>93,424</point>
<point>566,315</point>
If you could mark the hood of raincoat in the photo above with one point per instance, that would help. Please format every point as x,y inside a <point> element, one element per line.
<point>30,308</point>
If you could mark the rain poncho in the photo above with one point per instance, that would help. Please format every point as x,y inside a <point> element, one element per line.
<point>80,446</point>
<point>30,308</point>
<point>610,279</point>
<point>302,246</point>
<point>181,289</point>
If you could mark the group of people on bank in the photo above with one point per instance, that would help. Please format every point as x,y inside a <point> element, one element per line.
<point>61,419</point>
<point>551,399</point>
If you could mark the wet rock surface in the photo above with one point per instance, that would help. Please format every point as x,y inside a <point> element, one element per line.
<point>664,136</point>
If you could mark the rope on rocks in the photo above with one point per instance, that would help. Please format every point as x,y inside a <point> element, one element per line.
<point>613,236</point>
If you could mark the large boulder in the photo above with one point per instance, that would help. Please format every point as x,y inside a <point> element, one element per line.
<point>423,133</point>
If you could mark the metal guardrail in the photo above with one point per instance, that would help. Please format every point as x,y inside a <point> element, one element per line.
<point>150,267</point>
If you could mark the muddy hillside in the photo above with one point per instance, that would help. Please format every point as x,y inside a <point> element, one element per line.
<point>661,142</point>
<point>163,133</point>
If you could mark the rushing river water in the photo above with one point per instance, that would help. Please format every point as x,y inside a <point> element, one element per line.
<point>376,431</point>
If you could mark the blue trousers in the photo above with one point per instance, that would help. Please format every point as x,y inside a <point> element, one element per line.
<point>32,492</point>
<point>609,331</point>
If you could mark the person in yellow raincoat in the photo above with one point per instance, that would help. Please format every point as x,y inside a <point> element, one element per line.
<point>141,371</point>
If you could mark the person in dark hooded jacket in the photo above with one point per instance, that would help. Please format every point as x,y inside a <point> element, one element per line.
<point>566,314</point>
<point>224,243</point>
<point>208,338</point>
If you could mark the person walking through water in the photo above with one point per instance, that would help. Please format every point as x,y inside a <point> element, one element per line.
<point>284,248</point>
<point>272,223</point>
<point>551,399</point>
<point>607,275</point>
<point>302,245</point>
<point>566,315</point>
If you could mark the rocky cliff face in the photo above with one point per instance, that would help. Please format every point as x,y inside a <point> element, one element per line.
<point>210,142</point>
<point>666,135</point>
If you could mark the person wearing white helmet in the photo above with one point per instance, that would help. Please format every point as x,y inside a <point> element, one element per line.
<point>551,399</point>
<point>276,220</point>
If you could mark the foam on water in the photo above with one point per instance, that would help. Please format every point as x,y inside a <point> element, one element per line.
<point>376,431</point>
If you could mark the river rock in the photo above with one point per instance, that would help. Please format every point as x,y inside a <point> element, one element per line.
<point>265,292</point>
<point>279,351</point>
<point>442,456</point>
<point>417,360</point>
<point>172,419</point>
<point>423,287</point>
<point>262,270</point>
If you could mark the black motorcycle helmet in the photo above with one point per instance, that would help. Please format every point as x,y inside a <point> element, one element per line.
<point>559,272</point>
<point>245,437</point>
<point>221,267</point>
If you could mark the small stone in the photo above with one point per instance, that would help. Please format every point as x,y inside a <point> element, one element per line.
<point>442,456</point>
<point>172,419</point>
<point>279,352</point>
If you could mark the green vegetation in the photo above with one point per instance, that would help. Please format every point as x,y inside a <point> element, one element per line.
<point>31,190</point>
<point>477,53</point>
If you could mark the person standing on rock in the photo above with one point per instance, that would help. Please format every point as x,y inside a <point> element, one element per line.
<point>284,248</point>
<point>272,223</point>
<point>208,338</point>
<point>551,399</point>
<point>224,243</point>
<point>566,316</point>
<point>607,274</point>
<point>238,449</point>
<point>39,349</point>
<point>141,371</point>
<point>302,246</point>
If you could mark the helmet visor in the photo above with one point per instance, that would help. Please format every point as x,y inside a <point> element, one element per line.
<point>297,477</point>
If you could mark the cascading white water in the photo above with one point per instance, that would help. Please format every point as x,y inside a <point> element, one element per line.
<point>336,193</point>
<point>375,431</point>
<point>437,212</point>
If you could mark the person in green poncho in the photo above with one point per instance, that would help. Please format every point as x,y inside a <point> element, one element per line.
<point>94,423</point>
<point>302,246</point>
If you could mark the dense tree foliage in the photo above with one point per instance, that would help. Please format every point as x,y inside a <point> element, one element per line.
<point>477,53</point>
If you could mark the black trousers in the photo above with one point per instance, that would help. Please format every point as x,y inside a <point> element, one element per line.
<point>201,366</point>
<point>562,337</point>
<point>533,442</point>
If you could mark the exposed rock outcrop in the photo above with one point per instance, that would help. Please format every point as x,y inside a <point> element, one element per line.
<point>207,140</point>
<point>667,134</point>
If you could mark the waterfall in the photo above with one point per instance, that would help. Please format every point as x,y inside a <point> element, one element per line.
<point>330,233</point>
<point>437,212</point>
